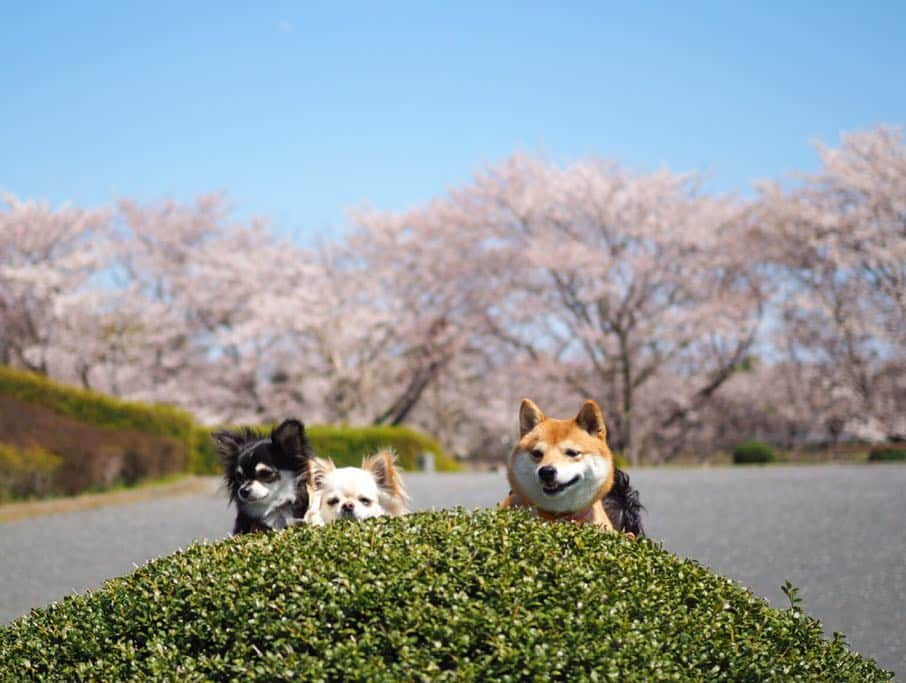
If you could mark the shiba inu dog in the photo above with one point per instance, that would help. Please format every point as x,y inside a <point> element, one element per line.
<point>372,490</point>
<point>564,470</point>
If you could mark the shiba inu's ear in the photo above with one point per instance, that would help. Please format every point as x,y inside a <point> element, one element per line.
<point>318,469</point>
<point>530,416</point>
<point>591,420</point>
<point>290,437</point>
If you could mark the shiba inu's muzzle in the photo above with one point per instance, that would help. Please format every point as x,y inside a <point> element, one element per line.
<point>547,475</point>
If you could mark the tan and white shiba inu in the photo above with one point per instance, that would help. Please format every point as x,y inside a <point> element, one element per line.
<point>564,470</point>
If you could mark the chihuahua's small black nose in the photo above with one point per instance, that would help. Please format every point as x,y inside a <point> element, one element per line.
<point>244,491</point>
<point>348,506</point>
<point>547,474</point>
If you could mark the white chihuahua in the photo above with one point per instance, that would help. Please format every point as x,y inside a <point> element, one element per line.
<point>372,490</point>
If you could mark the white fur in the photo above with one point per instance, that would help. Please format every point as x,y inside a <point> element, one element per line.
<point>273,503</point>
<point>352,486</point>
<point>592,471</point>
<point>348,486</point>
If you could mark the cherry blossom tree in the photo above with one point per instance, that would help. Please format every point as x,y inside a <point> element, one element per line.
<point>838,240</point>
<point>617,285</point>
<point>48,258</point>
<point>559,282</point>
<point>207,308</point>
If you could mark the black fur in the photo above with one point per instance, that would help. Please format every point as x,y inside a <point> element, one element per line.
<point>623,506</point>
<point>286,448</point>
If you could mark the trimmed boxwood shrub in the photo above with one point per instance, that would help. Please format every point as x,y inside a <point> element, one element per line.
<point>345,445</point>
<point>433,596</point>
<point>892,453</point>
<point>753,452</point>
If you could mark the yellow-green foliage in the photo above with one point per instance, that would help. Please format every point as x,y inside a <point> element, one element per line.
<point>86,418</point>
<point>344,445</point>
<point>95,408</point>
<point>26,472</point>
<point>620,460</point>
<point>347,445</point>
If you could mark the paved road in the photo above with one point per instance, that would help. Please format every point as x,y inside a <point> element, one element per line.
<point>836,532</point>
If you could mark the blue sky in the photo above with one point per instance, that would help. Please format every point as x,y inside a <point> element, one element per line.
<point>299,110</point>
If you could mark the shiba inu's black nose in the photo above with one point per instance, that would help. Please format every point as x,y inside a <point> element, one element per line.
<point>547,474</point>
<point>348,506</point>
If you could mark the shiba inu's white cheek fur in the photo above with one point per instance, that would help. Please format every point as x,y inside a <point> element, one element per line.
<point>592,472</point>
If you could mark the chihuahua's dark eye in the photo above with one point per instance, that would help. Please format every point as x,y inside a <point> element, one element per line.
<point>265,473</point>
<point>364,501</point>
<point>537,454</point>
<point>333,501</point>
<point>572,453</point>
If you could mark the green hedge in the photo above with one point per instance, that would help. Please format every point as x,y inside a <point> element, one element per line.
<point>753,452</point>
<point>345,445</point>
<point>887,454</point>
<point>443,596</point>
<point>26,472</point>
<point>95,408</point>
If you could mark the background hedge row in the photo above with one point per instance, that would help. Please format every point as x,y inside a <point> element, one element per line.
<point>26,472</point>
<point>344,445</point>
<point>98,441</point>
<point>58,439</point>
<point>892,453</point>
<point>753,453</point>
<point>95,408</point>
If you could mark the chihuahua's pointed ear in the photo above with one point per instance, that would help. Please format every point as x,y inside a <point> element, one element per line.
<point>228,443</point>
<point>591,420</point>
<point>530,416</point>
<point>318,468</point>
<point>382,466</point>
<point>290,437</point>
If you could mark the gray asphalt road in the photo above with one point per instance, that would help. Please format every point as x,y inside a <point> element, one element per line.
<point>836,532</point>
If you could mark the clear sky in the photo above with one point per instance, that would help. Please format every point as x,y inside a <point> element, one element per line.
<point>299,110</point>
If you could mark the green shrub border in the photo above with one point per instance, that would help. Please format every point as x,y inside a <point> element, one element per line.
<point>25,472</point>
<point>753,453</point>
<point>889,453</point>
<point>99,409</point>
<point>343,444</point>
<point>346,445</point>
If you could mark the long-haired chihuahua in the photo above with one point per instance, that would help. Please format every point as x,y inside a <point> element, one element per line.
<point>266,476</point>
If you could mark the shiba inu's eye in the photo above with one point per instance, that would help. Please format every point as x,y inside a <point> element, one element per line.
<point>364,501</point>
<point>572,453</point>
<point>537,454</point>
<point>333,501</point>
